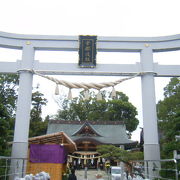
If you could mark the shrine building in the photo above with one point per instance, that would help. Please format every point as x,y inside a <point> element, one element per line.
<point>87,135</point>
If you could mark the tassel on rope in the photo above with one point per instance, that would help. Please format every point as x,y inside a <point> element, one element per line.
<point>70,159</point>
<point>92,160</point>
<point>99,96</point>
<point>70,95</point>
<point>113,93</point>
<point>86,95</point>
<point>84,85</point>
<point>85,160</point>
<point>57,90</point>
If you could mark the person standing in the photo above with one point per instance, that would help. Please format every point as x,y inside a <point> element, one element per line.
<point>72,176</point>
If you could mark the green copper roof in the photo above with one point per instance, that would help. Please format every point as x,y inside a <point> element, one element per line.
<point>105,132</point>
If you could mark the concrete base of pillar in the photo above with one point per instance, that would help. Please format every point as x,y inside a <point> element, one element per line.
<point>19,159</point>
<point>152,160</point>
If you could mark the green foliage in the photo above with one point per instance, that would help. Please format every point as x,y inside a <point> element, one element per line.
<point>8,96</point>
<point>168,170</point>
<point>8,92</point>
<point>37,125</point>
<point>112,152</point>
<point>173,88</point>
<point>108,109</point>
<point>169,114</point>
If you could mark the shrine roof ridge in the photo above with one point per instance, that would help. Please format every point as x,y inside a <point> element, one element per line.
<point>90,122</point>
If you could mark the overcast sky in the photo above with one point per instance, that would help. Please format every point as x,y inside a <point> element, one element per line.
<point>147,18</point>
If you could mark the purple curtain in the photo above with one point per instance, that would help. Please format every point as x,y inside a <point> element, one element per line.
<point>47,153</point>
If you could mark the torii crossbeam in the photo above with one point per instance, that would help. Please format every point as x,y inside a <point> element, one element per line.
<point>145,46</point>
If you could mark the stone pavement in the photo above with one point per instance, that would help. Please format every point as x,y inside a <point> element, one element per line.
<point>91,174</point>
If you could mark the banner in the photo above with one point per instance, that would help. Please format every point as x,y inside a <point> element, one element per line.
<point>47,153</point>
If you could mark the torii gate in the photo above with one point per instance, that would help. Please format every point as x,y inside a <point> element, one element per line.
<point>145,46</point>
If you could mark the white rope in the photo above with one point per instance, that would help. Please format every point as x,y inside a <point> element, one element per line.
<point>85,86</point>
<point>84,157</point>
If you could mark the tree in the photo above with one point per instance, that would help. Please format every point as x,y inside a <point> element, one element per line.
<point>37,125</point>
<point>113,153</point>
<point>108,109</point>
<point>169,116</point>
<point>8,96</point>
<point>169,122</point>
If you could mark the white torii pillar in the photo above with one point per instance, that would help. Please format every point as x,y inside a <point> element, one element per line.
<point>146,46</point>
<point>151,141</point>
<point>21,134</point>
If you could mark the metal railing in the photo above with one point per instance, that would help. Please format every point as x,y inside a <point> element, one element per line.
<point>8,169</point>
<point>12,168</point>
<point>167,169</point>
